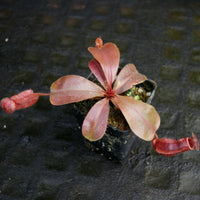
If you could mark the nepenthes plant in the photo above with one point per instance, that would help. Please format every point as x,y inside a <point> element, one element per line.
<point>142,118</point>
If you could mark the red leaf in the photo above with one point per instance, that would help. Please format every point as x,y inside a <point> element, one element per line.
<point>96,69</point>
<point>73,88</point>
<point>128,77</point>
<point>142,118</point>
<point>108,56</point>
<point>95,123</point>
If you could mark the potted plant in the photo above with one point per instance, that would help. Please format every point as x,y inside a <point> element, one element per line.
<point>118,141</point>
<point>112,91</point>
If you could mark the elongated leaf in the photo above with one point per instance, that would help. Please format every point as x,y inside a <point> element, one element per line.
<point>73,88</point>
<point>95,123</point>
<point>142,118</point>
<point>108,56</point>
<point>97,70</point>
<point>128,77</point>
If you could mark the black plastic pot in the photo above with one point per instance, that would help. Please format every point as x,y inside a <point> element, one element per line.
<point>115,144</point>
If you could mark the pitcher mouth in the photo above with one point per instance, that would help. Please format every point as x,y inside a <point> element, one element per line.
<point>193,142</point>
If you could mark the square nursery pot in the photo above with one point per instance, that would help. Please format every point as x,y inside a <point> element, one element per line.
<point>116,144</point>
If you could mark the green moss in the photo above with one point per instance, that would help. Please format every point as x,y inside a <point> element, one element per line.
<point>49,79</point>
<point>73,22</point>
<point>102,9</point>
<point>25,77</point>
<point>47,19</point>
<point>139,93</point>
<point>197,19</point>
<point>67,41</point>
<point>176,16</point>
<point>172,53</point>
<point>123,27</point>
<point>98,25</point>
<point>193,98</point>
<point>40,37</point>
<point>126,11</point>
<point>32,56</point>
<point>129,94</point>
<point>59,59</point>
<point>194,76</point>
<point>137,97</point>
<point>195,55</point>
<point>196,36</point>
<point>78,6</point>
<point>175,34</point>
<point>83,63</point>
<point>170,73</point>
<point>5,14</point>
<point>167,95</point>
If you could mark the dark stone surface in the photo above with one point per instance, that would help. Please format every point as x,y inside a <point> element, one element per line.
<point>42,154</point>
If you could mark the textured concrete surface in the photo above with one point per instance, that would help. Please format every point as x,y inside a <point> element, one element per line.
<point>42,155</point>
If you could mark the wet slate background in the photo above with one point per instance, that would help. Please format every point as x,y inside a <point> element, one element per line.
<point>42,155</point>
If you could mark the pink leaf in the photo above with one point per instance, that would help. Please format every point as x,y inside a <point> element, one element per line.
<point>128,77</point>
<point>108,56</point>
<point>96,69</point>
<point>95,123</point>
<point>73,88</point>
<point>142,118</point>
